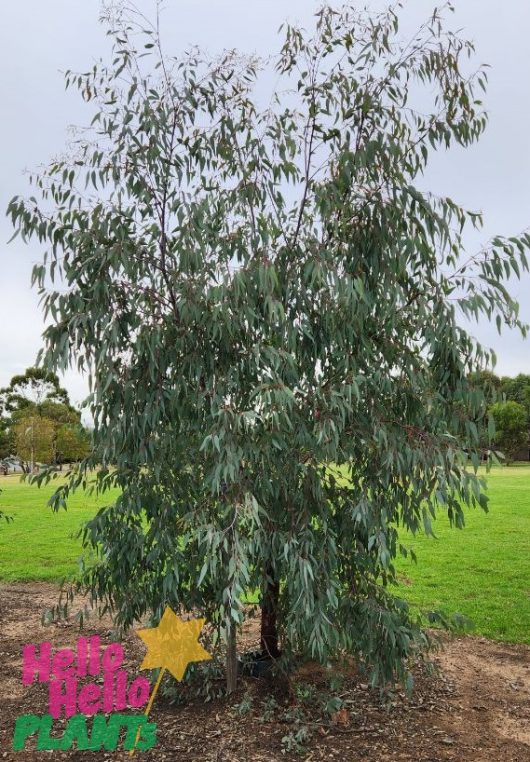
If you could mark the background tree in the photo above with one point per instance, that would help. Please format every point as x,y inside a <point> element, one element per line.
<point>68,431</point>
<point>5,440</point>
<point>5,449</point>
<point>488,384</point>
<point>34,436</point>
<point>32,389</point>
<point>72,444</point>
<point>38,393</point>
<point>501,390</point>
<point>517,389</point>
<point>267,304</point>
<point>511,427</point>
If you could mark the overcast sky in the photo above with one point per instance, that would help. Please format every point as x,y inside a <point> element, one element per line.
<point>41,38</point>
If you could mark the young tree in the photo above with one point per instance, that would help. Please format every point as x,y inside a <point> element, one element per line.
<point>267,304</point>
<point>511,427</point>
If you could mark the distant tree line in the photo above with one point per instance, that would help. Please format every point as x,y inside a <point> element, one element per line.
<point>508,401</point>
<point>38,423</point>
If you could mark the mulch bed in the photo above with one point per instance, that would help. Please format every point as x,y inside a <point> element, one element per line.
<point>476,707</point>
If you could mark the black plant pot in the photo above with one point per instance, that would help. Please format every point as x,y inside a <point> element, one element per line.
<point>255,664</point>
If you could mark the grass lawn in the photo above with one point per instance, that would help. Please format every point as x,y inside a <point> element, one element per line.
<point>40,544</point>
<point>482,571</point>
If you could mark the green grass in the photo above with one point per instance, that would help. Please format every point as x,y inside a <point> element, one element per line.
<point>482,571</point>
<point>40,544</point>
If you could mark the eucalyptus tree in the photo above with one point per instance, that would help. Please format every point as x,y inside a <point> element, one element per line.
<point>268,302</point>
<point>34,389</point>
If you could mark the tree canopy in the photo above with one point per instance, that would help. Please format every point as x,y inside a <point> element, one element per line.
<point>34,440</point>
<point>38,422</point>
<point>511,427</point>
<point>517,389</point>
<point>268,304</point>
<point>33,388</point>
<point>513,423</point>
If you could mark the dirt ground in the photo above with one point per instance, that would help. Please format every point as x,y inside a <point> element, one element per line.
<point>476,708</point>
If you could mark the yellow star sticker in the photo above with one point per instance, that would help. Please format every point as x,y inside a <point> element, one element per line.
<point>173,644</point>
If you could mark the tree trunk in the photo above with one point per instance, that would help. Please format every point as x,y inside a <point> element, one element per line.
<point>231,659</point>
<point>269,615</point>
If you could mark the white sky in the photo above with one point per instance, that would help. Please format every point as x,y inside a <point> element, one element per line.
<point>41,38</point>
